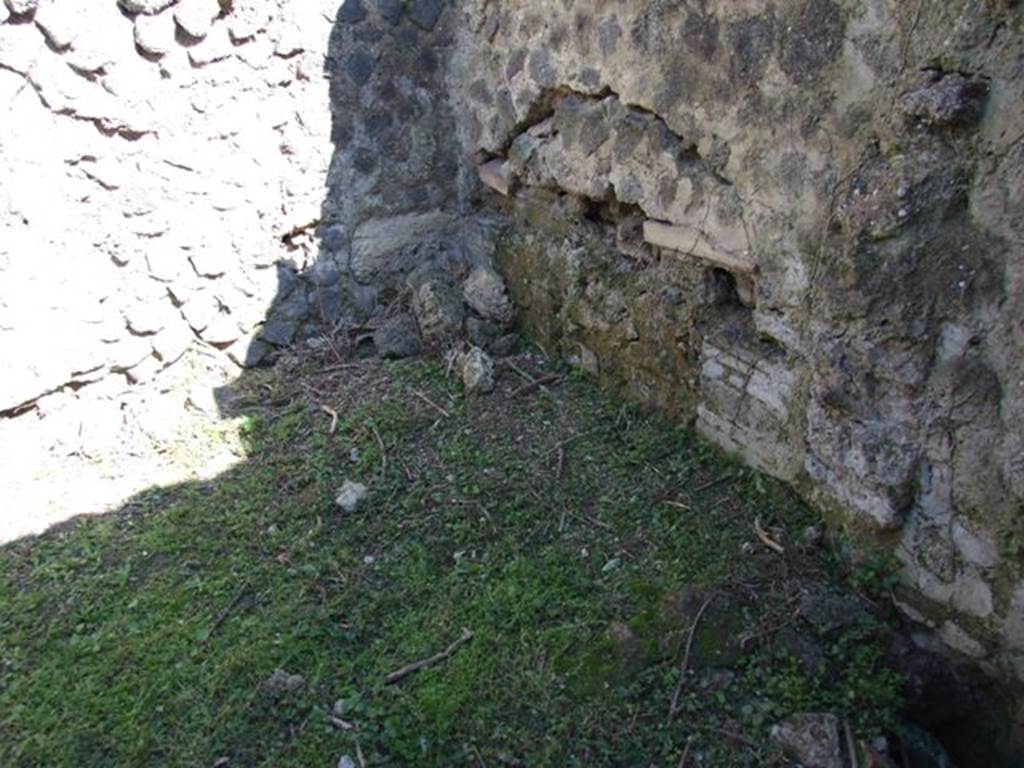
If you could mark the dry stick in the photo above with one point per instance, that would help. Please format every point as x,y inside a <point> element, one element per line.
<point>769,542</point>
<point>359,755</point>
<point>673,707</point>
<point>334,418</point>
<point>549,379</point>
<point>731,735</point>
<point>383,452</point>
<point>431,403</point>
<point>712,483</point>
<point>520,371</point>
<point>223,615</point>
<point>850,746</point>
<point>416,666</point>
<point>686,752</point>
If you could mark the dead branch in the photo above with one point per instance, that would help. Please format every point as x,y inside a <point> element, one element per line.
<point>851,747</point>
<point>551,378</point>
<point>686,752</point>
<point>416,666</point>
<point>223,615</point>
<point>712,483</point>
<point>685,663</point>
<point>769,542</point>
<point>431,403</point>
<point>530,379</point>
<point>383,452</point>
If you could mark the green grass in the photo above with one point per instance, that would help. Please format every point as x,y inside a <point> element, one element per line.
<point>534,521</point>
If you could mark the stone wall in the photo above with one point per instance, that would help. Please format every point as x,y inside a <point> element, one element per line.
<point>799,225</point>
<point>164,166</point>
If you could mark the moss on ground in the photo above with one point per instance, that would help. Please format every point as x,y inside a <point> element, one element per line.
<point>535,520</point>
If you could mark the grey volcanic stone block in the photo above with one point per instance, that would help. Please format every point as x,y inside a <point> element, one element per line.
<point>397,338</point>
<point>352,11</point>
<point>425,13</point>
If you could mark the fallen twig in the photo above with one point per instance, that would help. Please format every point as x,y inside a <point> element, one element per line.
<point>732,735</point>
<point>520,371</point>
<point>344,725</point>
<point>359,755</point>
<point>766,539</point>
<point>685,663</point>
<point>851,747</point>
<point>712,483</point>
<point>383,452</point>
<point>686,752</point>
<point>334,418</point>
<point>431,403</point>
<point>416,666</point>
<point>223,615</point>
<point>551,378</point>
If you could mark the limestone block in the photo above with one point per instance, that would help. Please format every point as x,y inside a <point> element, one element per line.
<point>497,175</point>
<point>690,241</point>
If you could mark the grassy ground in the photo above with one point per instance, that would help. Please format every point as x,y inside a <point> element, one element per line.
<point>578,540</point>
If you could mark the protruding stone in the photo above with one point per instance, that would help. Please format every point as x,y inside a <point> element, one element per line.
<point>690,241</point>
<point>352,12</point>
<point>154,34</point>
<point>390,10</point>
<point>953,100</point>
<point>497,175</point>
<point>146,6</point>
<point>813,739</point>
<point>196,17</point>
<point>397,338</point>
<point>477,371</point>
<point>425,13</point>
<point>484,291</point>
<point>439,311</point>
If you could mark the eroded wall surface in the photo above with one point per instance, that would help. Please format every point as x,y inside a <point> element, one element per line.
<point>799,224</point>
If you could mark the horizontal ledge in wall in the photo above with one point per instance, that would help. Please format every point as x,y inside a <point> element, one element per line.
<point>691,242</point>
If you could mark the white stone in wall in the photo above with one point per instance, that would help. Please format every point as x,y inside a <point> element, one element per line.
<point>21,7</point>
<point>63,20</point>
<point>196,17</point>
<point>216,46</point>
<point>690,241</point>
<point>155,34</point>
<point>145,6</point>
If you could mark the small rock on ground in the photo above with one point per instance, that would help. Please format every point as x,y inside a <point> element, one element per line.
<point>477,370</point>
<point>281,683</point>
<point>811,738</point>
<point>350,496</point>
